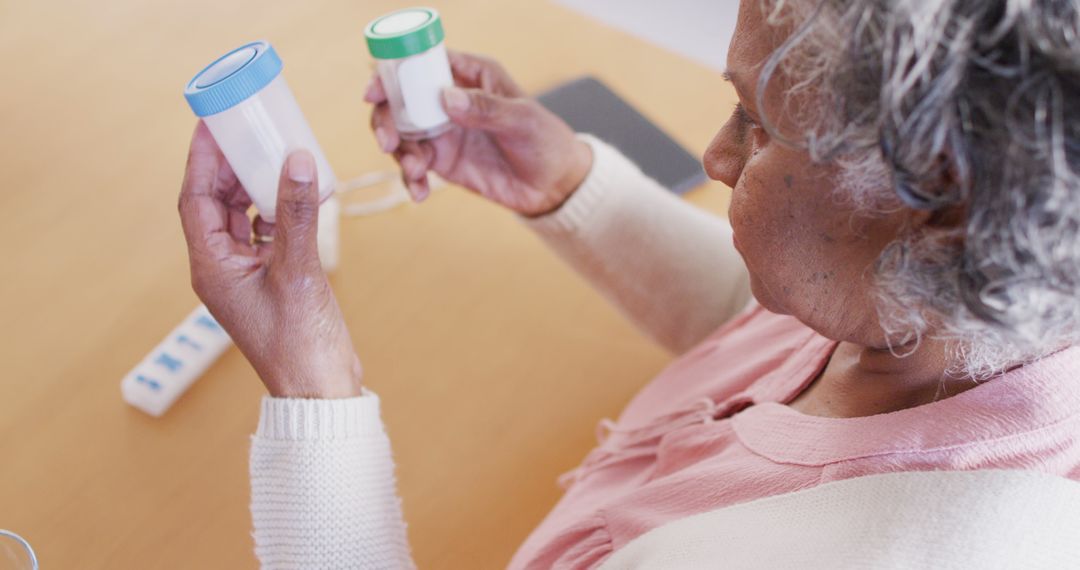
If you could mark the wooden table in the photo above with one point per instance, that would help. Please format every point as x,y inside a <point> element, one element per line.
<point>494,361</point>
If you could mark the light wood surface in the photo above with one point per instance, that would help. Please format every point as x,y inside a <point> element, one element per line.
<point>493,360</point>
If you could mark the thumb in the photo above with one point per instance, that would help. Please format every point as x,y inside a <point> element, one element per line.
<point>477,109</point>
<point>297,225</point>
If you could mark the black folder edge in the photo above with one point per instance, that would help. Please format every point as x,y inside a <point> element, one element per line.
<point>589,106</point>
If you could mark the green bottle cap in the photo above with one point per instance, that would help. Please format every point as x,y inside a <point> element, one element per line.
<point>404,33</point>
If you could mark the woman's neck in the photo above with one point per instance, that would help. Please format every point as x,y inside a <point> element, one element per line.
<point>864,381</point>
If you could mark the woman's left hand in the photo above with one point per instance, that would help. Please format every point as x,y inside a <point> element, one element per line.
<point>272,298</point>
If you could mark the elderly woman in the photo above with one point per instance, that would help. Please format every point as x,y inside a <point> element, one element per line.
<point>905,181</point>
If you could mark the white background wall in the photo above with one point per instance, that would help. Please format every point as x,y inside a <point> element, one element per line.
<point>698,29</point>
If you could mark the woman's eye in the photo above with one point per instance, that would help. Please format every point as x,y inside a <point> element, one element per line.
<point>748,126</point>
<point>743,117</point>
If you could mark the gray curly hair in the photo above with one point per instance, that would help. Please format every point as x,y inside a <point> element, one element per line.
<point>969,106</point>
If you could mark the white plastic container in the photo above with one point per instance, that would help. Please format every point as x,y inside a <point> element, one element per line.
<point>411,61</point>
<point>244,100</point>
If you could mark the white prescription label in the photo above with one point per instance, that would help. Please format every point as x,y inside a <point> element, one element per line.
<point>422,78</point>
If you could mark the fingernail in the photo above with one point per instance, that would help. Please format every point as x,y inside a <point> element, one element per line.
<point>418,192</point>
<point>384,140</point>
<point>300,167</point>
<point>456,100</point>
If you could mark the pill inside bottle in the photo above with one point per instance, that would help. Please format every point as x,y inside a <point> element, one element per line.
<point>252,114</point>
<point>411,60</point>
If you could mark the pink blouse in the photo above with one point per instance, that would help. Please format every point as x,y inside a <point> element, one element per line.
<point>713,430</point>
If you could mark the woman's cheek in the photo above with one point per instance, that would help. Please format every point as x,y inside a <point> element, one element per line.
<point>747,225</point>
<point>745,211</point>
<point>759,210</point>
<point>738,214</point>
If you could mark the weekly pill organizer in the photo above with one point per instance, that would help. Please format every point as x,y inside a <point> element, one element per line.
<point>170,369</point>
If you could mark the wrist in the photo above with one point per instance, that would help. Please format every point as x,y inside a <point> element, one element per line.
<point>328,385</point>
<point>580,165</point>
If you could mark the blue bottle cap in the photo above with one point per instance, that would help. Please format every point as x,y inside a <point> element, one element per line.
<point>232,78</point>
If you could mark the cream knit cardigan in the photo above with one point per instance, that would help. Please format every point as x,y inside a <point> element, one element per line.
<point>945,520</point>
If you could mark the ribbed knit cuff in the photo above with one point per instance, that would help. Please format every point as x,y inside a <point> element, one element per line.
<point>296,419</point>
<point>608,165</point>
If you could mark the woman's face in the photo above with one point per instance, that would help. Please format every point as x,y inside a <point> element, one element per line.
<point>808,256</point>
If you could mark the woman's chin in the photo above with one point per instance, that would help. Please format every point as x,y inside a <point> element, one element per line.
<point>763,295</point>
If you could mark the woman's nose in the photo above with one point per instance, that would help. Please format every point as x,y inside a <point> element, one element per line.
<point>724,159</point>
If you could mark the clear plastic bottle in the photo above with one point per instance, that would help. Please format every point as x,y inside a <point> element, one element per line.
<point>411,61</point>
<point>244,100</point>
<point>16,553</point>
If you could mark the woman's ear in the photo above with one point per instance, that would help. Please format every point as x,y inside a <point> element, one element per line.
<point>948,217</point>
<point>952,192</point>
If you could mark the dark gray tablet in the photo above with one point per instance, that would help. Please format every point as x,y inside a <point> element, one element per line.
<point>590,107</point>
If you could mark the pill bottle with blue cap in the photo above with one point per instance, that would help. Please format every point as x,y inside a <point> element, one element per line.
<point>244,101</point>
<point>411,60</point>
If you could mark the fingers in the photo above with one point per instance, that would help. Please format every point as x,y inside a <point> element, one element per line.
<point>415,159</point>
<point>419,189</point>
<point>296,229</point>
<point>382,124</point>
<point>205,213</point>
<point>492,96</point>
<point>477,109</point>
<point>478,72</point>
<point>239,225</point>
<point>375,93</point>
<point>467,68</point>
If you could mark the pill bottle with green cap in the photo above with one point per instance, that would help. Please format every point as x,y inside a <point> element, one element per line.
<point>411,61</point>
<point>244,101</point>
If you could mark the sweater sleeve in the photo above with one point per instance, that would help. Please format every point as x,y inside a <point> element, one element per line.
<point>323,493</point>
<point>669,266</point>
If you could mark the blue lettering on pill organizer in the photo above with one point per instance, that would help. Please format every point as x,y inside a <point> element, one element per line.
<point>208,322</point>
<point>183,339</point>
<point>153,384</point>
<point>169,362</point>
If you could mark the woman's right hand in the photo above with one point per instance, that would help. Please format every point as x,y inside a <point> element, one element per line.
<point>272,298</point>
<point>504,145</point>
